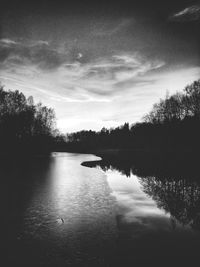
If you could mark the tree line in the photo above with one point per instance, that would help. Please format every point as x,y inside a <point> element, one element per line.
<point>24,125</point>
<point>173,123</point>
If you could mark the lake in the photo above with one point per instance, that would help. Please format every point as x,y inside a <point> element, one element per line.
<point>57,212</point>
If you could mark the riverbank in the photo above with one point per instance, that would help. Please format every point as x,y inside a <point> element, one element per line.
<point>126,155</point>
<point>176,164</point>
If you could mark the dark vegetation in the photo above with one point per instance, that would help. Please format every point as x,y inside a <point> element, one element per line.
<point>172,125</point>
<point>25,127</point>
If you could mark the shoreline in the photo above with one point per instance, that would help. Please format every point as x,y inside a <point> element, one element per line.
<point>123,155</point>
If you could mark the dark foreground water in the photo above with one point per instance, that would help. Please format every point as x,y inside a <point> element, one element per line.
<point>56,212</point>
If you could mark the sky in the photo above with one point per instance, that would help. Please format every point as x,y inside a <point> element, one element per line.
<point>99,63</point>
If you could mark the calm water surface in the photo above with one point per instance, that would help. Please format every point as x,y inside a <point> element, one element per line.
<point>57,212</point>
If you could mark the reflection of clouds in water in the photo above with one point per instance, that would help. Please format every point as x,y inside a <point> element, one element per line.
<point>171,187</point>
<point>135,208</point>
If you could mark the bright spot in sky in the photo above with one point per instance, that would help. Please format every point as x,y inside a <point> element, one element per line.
<point>79,55</point>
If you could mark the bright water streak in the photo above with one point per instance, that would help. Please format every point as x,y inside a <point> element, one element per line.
<point>60,213</point>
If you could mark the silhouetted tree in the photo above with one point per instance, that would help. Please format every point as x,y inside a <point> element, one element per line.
<point>172,124</point>
<point>23,125</point>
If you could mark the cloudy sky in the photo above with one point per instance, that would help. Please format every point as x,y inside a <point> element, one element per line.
<point>99,63</point>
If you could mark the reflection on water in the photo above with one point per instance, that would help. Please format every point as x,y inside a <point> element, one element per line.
<point>173,190</point>
<point>158,213</point>
<point>59,213</point>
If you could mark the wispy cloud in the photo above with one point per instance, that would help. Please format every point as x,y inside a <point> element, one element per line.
<point>45,67</point>
<point>122,84</point>
<point>5,41</point>
<point>25,52</point>
<point>111,27</point>
<point>190,13</point>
